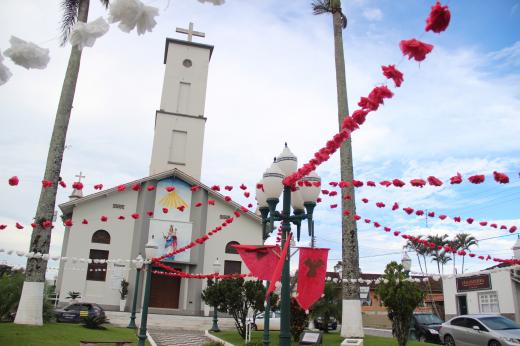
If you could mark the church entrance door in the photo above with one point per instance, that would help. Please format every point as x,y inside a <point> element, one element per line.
<point>164,292</point>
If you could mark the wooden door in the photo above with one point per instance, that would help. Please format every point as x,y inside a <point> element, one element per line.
<point>165,291</point>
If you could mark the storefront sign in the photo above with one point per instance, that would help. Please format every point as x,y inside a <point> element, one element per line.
<point>474,283</point>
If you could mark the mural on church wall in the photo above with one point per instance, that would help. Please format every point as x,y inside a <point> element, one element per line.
<point>171,235</point>
<point>173,194</point>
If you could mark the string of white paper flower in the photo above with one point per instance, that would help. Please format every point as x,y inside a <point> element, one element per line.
<point>214,2</point>
<point>5,73</point>
<point>377,281</point>
<point>131,14</point>
<point>27,54</point>
<point>85,34</point>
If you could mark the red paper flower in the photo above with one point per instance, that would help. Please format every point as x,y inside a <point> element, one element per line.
<point>135,216</point>
<point>357,217</point>
<point>439,18</point>
<point>477,179</point>
<point>333,193</point>
<point>228,187</point>
<point>104,218</point>
<point>415,49</point>
<point>377,224</point>
<point>243,187</point>
<point>247,194</point>
<point>391,72</point>
<point>170,188</point>
<point>68,223</point>
<point>380,205</point>
<point>237,213</point>
<point>434,181</point>
<point>501,178</point>
<point>85,222</point>
<point>456,179</point>
<point>136,187</point>
<point>325,192</point>
<point>227,199</point>
<point>367,220</point>
<point>195,188</point>
<point>396,233</point>
<point>470,220</point>
<point>98,187</point>
<point>121,188</point>
<point>456,218</point>
<point>347,197</point>
<point>46,183</point>
<point>211,201</point>
<point>360,116</point>
<point>13,181</point>
<point>62,184</point>
<point>371,183</point>
<point>483,223</point>
<point>503,227</point>
<point>408,210</point>
<point>494,225</point>
<point>217,188</point>
<point>77,185</point>
<point>19,226</point>
<point>431,214</point>
<point>357,183</point>
<point>395,206</point>
<point>471,255</point>
<point>198,204</point>
<point>165,210</point>
<point>181,208</point>
<point>385,183</point>
<point>121,217</point>
<point>33,225</point>
<point>419,212</point>
<point>149,213</point>
<point>318,200</point>
<point>418,182</point>
<point>332,206</point>
<point>47,224</point>
<point>150,188</point>
<point>512,229</point>
<point>387,229</point>
<point>250,205</point>
<point>3,227</point>
<point>398,182</point>
<point>348,124</point>
<point>364,200</point>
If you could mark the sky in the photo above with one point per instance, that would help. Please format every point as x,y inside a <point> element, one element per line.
<point>272,80</point>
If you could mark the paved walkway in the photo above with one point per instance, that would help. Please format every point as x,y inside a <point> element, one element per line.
<point>378,332</point>
<point>178,337</point>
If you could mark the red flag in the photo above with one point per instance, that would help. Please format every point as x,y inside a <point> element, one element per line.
<point>311,275</point>
<point>260,260</point>
<point>277,273</point>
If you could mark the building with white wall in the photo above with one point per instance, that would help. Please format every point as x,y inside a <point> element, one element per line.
<point>169,209</point>
<point>496,290</point>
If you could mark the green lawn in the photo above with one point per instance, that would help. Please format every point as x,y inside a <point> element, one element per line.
<point>60,334</point>
<point>328,339</point>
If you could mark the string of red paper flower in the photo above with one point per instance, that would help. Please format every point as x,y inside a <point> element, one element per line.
<point>179,273</point>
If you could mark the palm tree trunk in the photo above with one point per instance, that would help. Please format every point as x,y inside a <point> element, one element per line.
<point>420,264</point>
<point>463,264</point>
<point>30,307</point>
<point>454,265</point>
<point>351,303</point>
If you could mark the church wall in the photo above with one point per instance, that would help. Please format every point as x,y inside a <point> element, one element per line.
<point>79,245</point>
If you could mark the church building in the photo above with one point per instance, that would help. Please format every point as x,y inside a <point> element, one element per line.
<point>171,203</point>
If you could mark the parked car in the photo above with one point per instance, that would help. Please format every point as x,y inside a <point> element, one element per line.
<point>426,327</point>
<point>75,311</point>
<point>480,330</point>
<point>274,321</point>
<point>318,323</point>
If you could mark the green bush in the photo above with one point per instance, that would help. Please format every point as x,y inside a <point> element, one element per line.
<point>213,343</point>
<point>93,322</point>
<point>11,284</point>
<point>299,320</point>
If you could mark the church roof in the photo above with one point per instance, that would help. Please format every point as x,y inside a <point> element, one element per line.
<point>67,207</point>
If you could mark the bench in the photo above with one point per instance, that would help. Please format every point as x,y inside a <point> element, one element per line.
<point>95,343</point>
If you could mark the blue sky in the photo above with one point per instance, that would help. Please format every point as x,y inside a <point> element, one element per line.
<point>273,68</point>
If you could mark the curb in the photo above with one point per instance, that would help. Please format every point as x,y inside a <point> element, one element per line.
<point>214,338</point>
<point>150,339</point>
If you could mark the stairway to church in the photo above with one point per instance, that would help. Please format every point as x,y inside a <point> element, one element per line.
<point>174,337</point>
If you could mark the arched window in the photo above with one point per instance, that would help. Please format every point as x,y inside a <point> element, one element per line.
<point>230,248</point>
<point>101,236</point>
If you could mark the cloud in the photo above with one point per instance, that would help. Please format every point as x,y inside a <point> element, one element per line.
<point>373,14</point>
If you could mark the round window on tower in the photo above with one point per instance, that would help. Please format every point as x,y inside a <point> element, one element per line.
<point>187,63</point>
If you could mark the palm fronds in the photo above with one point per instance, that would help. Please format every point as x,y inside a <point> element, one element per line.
<point>70,15</point>
<point>329,6</point>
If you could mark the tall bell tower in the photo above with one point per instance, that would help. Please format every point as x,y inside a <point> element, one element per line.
<point>179,123</point>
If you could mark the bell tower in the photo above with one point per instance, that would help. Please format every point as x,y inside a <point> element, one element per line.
<point>180,122</point>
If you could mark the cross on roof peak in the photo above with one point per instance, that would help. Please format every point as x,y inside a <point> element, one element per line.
<point>80,176</point>
<point>190,32</point>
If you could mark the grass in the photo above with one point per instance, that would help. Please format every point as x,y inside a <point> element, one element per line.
<point>328,339</point>
<point>60,334</point>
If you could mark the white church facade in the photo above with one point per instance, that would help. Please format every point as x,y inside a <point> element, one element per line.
<point>175,168</point>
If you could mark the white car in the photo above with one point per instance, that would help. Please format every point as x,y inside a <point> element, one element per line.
<point>274,321</point>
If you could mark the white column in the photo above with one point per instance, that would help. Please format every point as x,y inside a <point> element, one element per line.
<point>30,308</point>
<point>352,321</point>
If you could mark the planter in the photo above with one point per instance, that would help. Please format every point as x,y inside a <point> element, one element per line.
<point>122,304</point>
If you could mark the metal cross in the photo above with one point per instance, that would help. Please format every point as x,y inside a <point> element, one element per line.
<point>80,176</point>
<point>190,32</point>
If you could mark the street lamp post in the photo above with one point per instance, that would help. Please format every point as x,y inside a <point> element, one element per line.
<point>406,261</point>
<point>214,327</point>
<point>138,265</point>
<point>267,315</point>
<point>302,198</point>
<point>151,251</point>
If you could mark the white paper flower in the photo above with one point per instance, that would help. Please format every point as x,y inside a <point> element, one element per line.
<point>27,54</point>
<point>214,2</point>
<point>5,74</point>
<point>131,14</point>
<point>85,34</point>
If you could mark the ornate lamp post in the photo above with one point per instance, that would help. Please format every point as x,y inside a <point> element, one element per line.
<point>406,261</point>
<point>303,200</point>
<point>214,327</point>
<point>151,251</point>
<point>139,261</point>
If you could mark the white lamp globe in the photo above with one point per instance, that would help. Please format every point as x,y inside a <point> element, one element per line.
<point>311,193</point>
<point>260,197</point>
<point>297,200</point>
<point>272,181</point>
<point>406,261</point>
<point>287,161</point>
<point>516,249</point>
<point>151,249</point>
<point>139,262</point>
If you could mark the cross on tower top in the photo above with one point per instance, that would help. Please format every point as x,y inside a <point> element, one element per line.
<point>190,32</point>
<point>80,176</point>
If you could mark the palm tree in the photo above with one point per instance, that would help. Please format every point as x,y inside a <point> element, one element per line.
<point>464,242</point>
<point>28,313</point>
<point>350,251</point>
<point>438,254</point>
<point>455,247</point>
<point>418,248</point>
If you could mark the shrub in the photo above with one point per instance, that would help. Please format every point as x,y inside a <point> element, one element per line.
<point>94,322</point>
<point>299,320</point>
<point>124,289</point>
<point>11,284</point>
<point>73,295</point>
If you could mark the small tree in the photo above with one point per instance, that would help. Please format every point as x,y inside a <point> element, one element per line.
<point>299,320</point>
<point>400,297</point>
<point>11,284</point>
<point>73,295</point>
<point>329,306</point>
<point>236,297</point>
<point>124,289</point>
